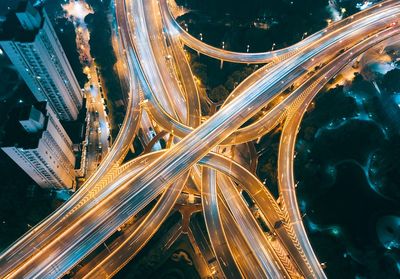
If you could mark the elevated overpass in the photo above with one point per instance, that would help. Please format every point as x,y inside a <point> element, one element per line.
<point>100,208</point>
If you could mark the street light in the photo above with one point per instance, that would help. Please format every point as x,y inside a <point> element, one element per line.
<point>201,36</point>
<point>304,34</point>
<point>273,46</point>
<point>223,45</point>
<point>248,48</point>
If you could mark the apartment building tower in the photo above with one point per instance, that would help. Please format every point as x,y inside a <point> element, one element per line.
<point>29,40</point>
<point>36,141</point>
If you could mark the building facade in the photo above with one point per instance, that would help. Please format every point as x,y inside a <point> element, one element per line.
<point>29,40</point>
<point>36,141</point>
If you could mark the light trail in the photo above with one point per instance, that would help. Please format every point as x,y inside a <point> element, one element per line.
<point>95,212</point>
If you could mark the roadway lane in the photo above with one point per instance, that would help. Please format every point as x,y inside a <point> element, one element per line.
<point>213,222</point>
<point>185,75</point>
<point>151,53</point>
<point>241,251</point>
<point>266,203</point>
<point>107,264</point>
<point>252,232</point>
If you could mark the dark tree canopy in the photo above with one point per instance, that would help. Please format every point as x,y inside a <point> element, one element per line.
<point>391,81</point>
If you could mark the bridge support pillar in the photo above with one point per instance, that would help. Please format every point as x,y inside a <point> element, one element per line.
<point>132,148</point>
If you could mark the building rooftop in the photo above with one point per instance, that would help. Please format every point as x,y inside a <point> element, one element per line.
<point>15,134</point>
<point>10,26</point>
<point>7,5</point>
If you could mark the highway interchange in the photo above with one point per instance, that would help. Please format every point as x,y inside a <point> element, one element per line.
<point>162,86</point>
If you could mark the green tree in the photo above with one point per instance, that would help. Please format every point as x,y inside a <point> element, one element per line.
<point>200,71</point>
<point>218,93</point>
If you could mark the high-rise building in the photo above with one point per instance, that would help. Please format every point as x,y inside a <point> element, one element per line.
<point>36,141</point>
<point>29,40</point>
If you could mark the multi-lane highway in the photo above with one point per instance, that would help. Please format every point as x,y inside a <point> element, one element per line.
<point>257,58</point>
<point>157,68</point>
